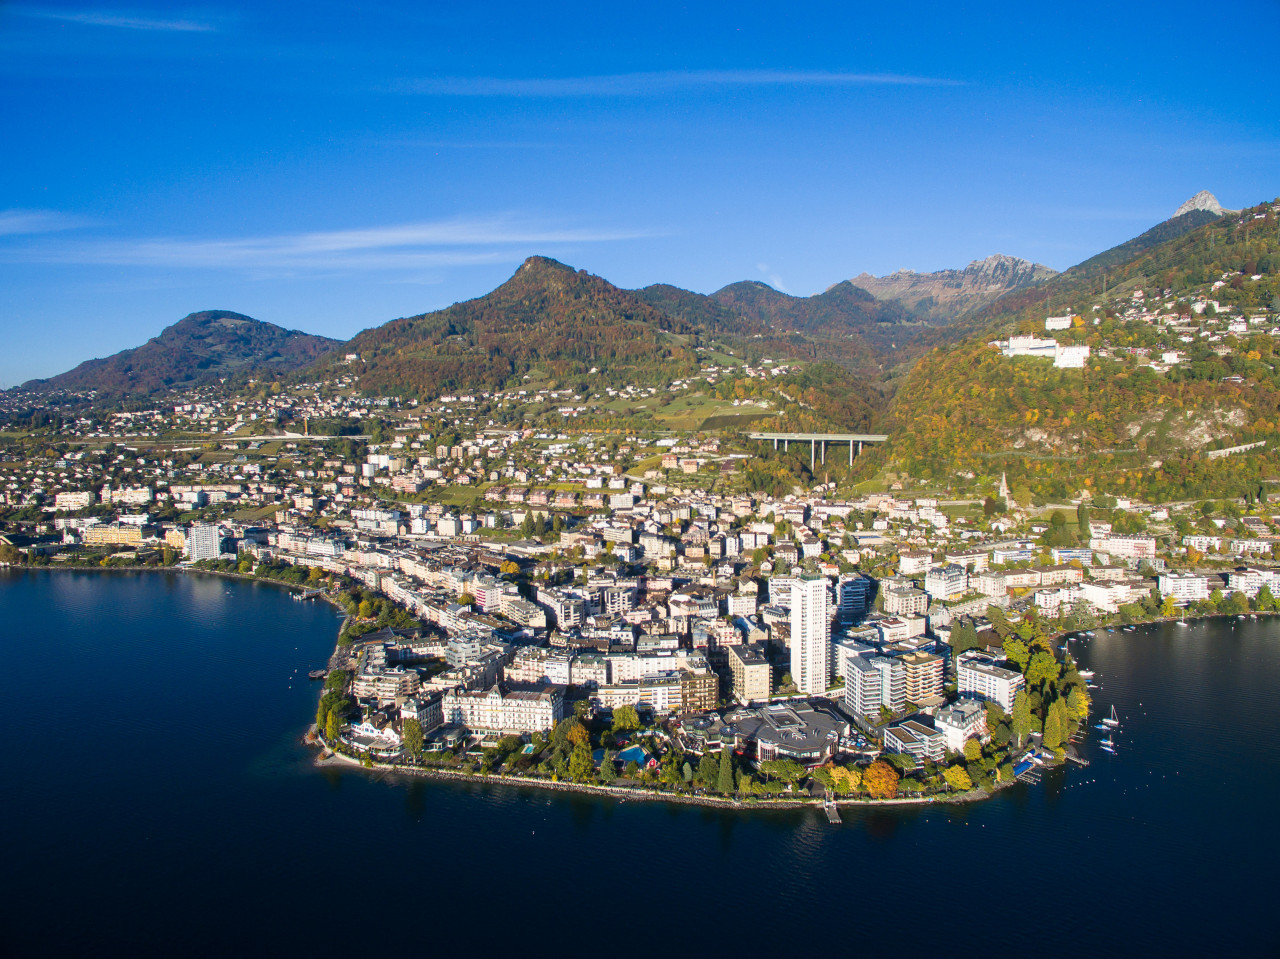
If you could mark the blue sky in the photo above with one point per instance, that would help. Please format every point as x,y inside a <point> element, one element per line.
<point>327,167</point>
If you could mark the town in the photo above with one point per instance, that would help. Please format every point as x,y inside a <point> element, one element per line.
<point>594,605</point>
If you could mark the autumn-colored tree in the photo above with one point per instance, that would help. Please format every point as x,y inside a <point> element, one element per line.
<point>1078,703</point>
<point>847,779</point>
<point>880,780</point>
<point>972,750</point>
<point>957,778</point>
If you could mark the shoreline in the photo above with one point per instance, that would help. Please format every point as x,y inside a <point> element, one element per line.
<point>328,758</point>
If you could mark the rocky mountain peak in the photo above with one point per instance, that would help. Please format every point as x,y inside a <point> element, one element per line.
<point>1204,200</point>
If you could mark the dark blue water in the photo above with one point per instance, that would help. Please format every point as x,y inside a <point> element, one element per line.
<point>155,800</point>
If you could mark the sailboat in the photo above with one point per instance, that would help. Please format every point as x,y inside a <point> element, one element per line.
<point>1108,745</point>
<point>1112,721</point>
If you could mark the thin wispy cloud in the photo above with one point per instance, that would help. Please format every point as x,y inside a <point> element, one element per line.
<point>411,246</point>
<point>647,84</point>
<point>20,222</point>
<point>102,18</point>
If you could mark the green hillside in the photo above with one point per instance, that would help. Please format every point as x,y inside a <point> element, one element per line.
<point>200,348</point>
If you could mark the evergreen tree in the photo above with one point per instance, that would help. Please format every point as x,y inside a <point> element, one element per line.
<point>1055,725</point>
<point>724,781</point>
<point>412,733</point>
<point>1021,719</point>
<point>607,771</point>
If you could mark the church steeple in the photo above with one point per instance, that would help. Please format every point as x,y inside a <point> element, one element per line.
<point>1003,492</point>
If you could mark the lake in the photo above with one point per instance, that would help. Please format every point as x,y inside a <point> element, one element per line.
<point>156,799</point>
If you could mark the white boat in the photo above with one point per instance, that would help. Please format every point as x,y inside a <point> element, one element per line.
<point>1106,744</point>
<point>1113,720</point>
<point>1183,622</point>
<point>1086,673</point>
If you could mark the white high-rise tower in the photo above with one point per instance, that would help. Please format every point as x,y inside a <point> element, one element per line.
<point>810,635</point>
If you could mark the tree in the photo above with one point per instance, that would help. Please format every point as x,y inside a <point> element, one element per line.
<point>626,719</point>
<point>1082,521</point>
<point>412,735</point>
<point>880,780</point>
<point>365,609</point>
<point>1266,601</point>
<point>708,770</point>
<point>1042,668</point>
<point>1021,719</point>
<point>1055,725</point>
<point>509,568</point>
<point>581,766</point>
<point>1078,703</point>
<point>1017,652</point>
<point>608,773</point>
<point>724,781</point>
<point>331,726</point>
<point>567,731</point>
<point>957,778</point>
<point>823,776</point>
<point>1169,607</point>
<point>788,770</point>
<point>972,750</point>
<point>847,779</point>
<point>964,637</point>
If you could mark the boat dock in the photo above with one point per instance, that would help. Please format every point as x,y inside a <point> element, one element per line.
<point>833,812</point>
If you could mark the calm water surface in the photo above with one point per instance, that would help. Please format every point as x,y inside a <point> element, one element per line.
<point>156,801</point>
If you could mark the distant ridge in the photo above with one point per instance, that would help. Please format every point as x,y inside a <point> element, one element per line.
<point>200,348</point>
<point>947,295</point>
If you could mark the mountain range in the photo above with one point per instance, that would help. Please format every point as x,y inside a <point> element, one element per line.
<point>552,321</point>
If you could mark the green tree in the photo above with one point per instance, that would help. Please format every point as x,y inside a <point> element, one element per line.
<point>626,719</point>
<point>331,726</point>
<point>788,770</point>
<point>1017,652</point>
<point>1042,668</point>
<point>581,767</point>
<point>608,773</point>
<point>972,750</point>
<point>708,770</point>
<point>725,782</point>
<point>1266,601</point>
<point>412,735</point>
<point>1020,721</point>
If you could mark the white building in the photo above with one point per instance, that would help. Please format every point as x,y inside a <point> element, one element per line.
<point>810,634</point>
<point>1070,357</point>
<point>980,678</point>
<point>1184,587</point>
<point>204,541</point>
<point>498,711</point>
<point>960,721</point>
